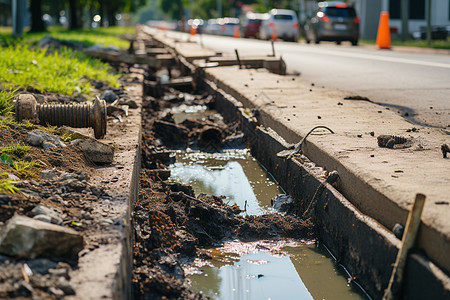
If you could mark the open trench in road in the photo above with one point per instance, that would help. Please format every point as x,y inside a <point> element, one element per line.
<point>356,241</point>
<point>210,220</point>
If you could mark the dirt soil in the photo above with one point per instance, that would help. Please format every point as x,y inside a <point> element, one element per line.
<point>58,179</point>
<point>172,224</point>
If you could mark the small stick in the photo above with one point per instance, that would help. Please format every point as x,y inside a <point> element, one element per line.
<point>409,238</point>
<point>238,59</point>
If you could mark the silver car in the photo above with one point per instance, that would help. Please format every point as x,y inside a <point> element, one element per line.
<point>280,23</point>
<point>333,21</point>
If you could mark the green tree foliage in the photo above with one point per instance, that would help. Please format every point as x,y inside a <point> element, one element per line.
<point>174,8</point>
<point>78,10</point>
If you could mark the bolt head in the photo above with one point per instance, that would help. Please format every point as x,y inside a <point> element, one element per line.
<point>98,118</point>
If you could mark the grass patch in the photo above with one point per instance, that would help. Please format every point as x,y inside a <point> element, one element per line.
<point>6,102</point>
<point>22,168</point>
<point>88,36</point>
<point>6,186</point>
<point>19,149</point>
<point>63,71</point>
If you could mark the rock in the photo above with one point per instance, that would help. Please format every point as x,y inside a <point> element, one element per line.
<point>47,145</point>
<point>4,199</point>
<point>27,238</point>
<point>79,97</point>
<point>96,151</point>
<point>41,210</point>
<point>282,203</point>
<point>109,96</point>
<point>38,138</point>
<point>66,288</point>
<point>49,174</point>
<point>43,218</point>
<point>131,103</point>
<point>112,110</point>
<point>398,230</point>
<point>41,265</point>
<point>100,47</point>
<point>57,292</point>
<point>13,177</point>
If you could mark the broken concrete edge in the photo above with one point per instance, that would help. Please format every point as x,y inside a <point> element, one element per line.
<point>106,271</point>
<point>358,242</point>
<point>203,56</point>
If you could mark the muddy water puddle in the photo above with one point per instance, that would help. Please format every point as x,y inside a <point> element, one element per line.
<point>234,174</point>
<point>283,269</point>
<point>263,269</point>
<point>270,270</point>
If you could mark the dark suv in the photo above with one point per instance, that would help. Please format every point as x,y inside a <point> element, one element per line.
<point>332,21</point>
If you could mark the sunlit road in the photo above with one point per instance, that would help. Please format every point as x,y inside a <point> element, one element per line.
<point>417,85</point>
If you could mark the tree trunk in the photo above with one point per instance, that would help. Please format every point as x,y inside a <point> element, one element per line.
<point>101,12</point>
<point>74,22</point>
<point>112,17</point>
<point>37,24</point>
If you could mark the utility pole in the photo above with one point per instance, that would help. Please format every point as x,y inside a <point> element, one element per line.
<point>18,12</point>
<point>429,22</point>
<point>405,19</point>
<point>191,13</point>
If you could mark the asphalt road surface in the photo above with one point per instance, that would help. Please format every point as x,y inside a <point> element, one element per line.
<point>417,85</point>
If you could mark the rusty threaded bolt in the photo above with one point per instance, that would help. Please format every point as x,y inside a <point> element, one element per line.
<point>73,115</point>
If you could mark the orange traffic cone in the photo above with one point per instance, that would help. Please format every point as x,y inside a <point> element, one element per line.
<point>274,32</point>
<point>236,31</point>
<point>384,32</point>
<point>193,30</point>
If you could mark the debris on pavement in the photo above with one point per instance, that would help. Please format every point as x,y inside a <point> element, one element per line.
<point>445,149</point>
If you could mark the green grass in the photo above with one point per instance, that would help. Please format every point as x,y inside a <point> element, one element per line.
<point>105,36</point>
<point>6,186</point>
<point>6,101</point>
<point>19,149</point>
<point>63,71</point>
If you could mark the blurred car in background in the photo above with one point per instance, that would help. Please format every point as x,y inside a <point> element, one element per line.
<point>251,25</point>
<point>228,26</point>
<point>283,21</point>
<point>212,27</point>
<point>332,21</point>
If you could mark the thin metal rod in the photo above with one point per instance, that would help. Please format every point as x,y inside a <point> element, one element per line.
<point>238,59</point>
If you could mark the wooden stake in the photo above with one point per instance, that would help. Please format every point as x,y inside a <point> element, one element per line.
<point>409,238</point>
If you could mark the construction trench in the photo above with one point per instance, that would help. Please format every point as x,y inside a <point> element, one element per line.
<point>193,195</point>
<point>358,243</point>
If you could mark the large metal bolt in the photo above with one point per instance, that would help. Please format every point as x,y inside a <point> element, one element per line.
<point>73,115</point>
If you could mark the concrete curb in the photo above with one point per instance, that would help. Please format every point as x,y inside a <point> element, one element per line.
<point>105,272</point>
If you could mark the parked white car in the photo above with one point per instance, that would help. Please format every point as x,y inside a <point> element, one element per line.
<point>285,23</point>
